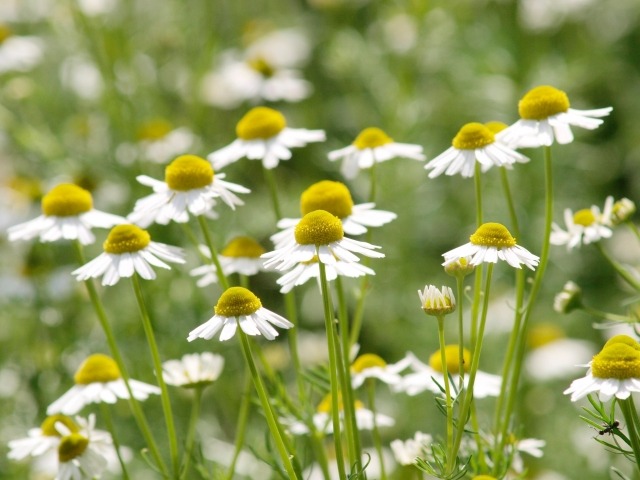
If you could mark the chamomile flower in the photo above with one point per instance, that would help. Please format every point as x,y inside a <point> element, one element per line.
<point>263,135</point>
<point>239,306</point>
<point>585,226</point>
<point>241,255</point>
<point>67,213</point>
<point>545,116</point>
<point>41,440</point>
<point>97,380</point>
<point>190,187</point>
<point>127,250</point>
<point>318,233</point>
<point>473,142</point>
<point>492,242</point>
<point>80,455</point>
<point>335,198</point>
<point>622,211</point>
<point>613,372</point>
<point>408,451</point>
<point>569,299</point>
<point>369,365</point>
<point>193,370</point>
<point>159,141</point>
<point>19,53</point>
<point>437,302</point>
<point>372,146</point>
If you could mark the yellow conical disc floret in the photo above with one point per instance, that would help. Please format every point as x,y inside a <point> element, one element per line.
<point>126,239</point>
<point>543,334</point>
<point>188,172</point>
<point>260,123</point>
<point>48,427</point>
<point>493,235</point>
<point>367,360</point>
<point>495,126</point>
<point>371,137</point>
<point>452,357</point>
<point>483,477</point>
<point>245,247</point>
<point>473,135</point>
<point>319,228</point>
<point>333,197</point>
<point>625,339</point>
<point>97,368</point>
<point>261,66</point>
<point>584,217</point>
<point>72,446</point>
<point>66,200</point>
<point>237,301</point>
<point>543,102</point>
<point>155,129</point>
<point>617,360</point>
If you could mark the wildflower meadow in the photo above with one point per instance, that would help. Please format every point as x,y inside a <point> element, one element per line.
<point>319,239</point>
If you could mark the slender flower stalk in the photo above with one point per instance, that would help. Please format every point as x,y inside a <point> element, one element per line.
<point>625,274</point>
<point>106,416</point>
<point>628,408</point>
<point>447,386</point>
<point>241,426</point>
<point>191,432</point>
<point>377,439</point>
<point>224,283</point>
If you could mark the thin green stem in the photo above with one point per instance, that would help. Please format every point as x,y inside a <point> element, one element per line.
<point>222,278</point>
<point>447,393</point>
<point>241,427</point>
<point>627,408</point>
<point>477,182</point>
<point>377,438</point>
<point>606,315</point>
<point>373,179</point>
<point>626,275</point>
<point>460,296</point>
<point>273,191</point>
<point>191,431</point>
<point>634,228</point>
<point>106,416</point>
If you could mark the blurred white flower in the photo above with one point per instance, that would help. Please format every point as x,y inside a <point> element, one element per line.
<point>406,452</point>
<point>369,365</point>
<point>82,77</point>
<point>193,370</point>
<point>585,226</point>
<point>93,8</point>
<point>19,53</point>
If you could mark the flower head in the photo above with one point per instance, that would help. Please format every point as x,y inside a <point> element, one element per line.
<point>98,379</point>
<point>67,213</point>
<point>492,242</point>
<point>622,211</point>
<point>369,365</point>
<point>41,440</point>
<point>460,268</point>
<point>127,250</point>
<point>545,116</point>
<point>372,146</point>
<point>159,141</point>
<point>569,299</point>
<point>193,370</point>
<point>473,142</point>
<point>584,226</point>
<point>19,53</point>
<point>82,454</point>
<point>263,135</point>
<point>239,306</point>
<point>408,451</point>
<point>437,302</point>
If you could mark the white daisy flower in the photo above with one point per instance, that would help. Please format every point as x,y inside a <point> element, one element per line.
<point>304,271</point>
<point>320,234</point>
<point>241,255</point>
<point>67,213</point>
<point>545,116</point>
<point>239,306</point>
<point>335,198</point>
<point>97,380</point>
<point>127,250</point>
<point>81,455</point>
<point>263,135</point>
<point>19,53</point>
<point>437,302</point>
<point>369,365</point>
<point>372,146</point>
<point>42,440</point>
<point>585,226</point>
<point>473,142</point>
<point>190,187</point>
<point>614,372</point>
<point>492,242</point>
<point>159,141</point>
<point>193,370</point>
<point>406,452</point>
<point>430,377</point>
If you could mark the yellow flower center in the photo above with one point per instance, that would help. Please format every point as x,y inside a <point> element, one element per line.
<point>617,360</point>
<point>473,135</point>
<point>368,360</point>
<point>460,268</point>
<point>622,211</point>
<point>483,477</point>
<point>333,197</point>
<point>542,102</point>
<point>97,368</point>
<point>371,137</point>
<point>5,32</point>
<point>242,247</point>
<point>260,123</point>
<point>452,357</point>
<point>66,200</point>
<point>495,126</point>
<point>543,334</point>
<point>492,235</point>
<point>72,446</point>
<point>584,217</point>
<point>188,172</point>
<point>318,228</point>
<point>155,129</point>
<point>237,301</point>
<point>261,66</point>
<point>48,427</point>
<point>624,339</point>
<point>126,239</point>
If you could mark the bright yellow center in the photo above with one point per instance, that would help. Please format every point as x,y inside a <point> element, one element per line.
<point>542,102</point>
<point>261,66</point>
<point>493,235</point>
<point>325,405</point>
<point>72,446</point>
<point>452,357</point>
<point>237,301</point>
<point>371,137</point>
<point>245,247</point>
<point>624,339</point>
<point>155,129</point>
<point>318,228</point>
<point>495,127</point>
<point>97,368</point>
<point>368,360</point>
<point>188,172</point>
<point>48,427</point>
<point>260,123</point>
<point>473,135</point>
<point>543,334</point>
<point>618,360</point>
<point>126,239</point>
<point>460,268</point>
<point>483,477</point>
<point>5,32</point>
<point>66,200</point>
<point>334,197</point>
<point>584,217</point>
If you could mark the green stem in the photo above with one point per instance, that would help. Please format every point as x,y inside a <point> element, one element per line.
<point>191,432</point>
<point>157,365</point>
<point>222,278</point>
<point>634,228</point>
<point>377,438</point>
<point>106,415</point>
<point>273,191</point>
<point>628,408</point>
<point>447,393</point>
<point>241,429</point>
<point>628,277</point>
<point>460,296</point>
<point>478,189</point>
<point>373,179</point>
<point>606,315</point>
